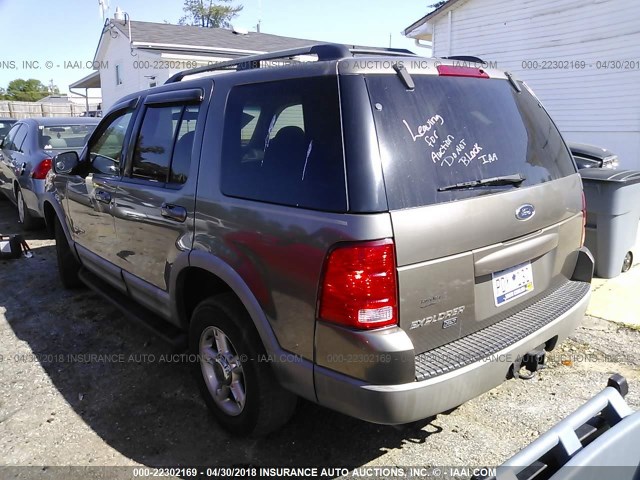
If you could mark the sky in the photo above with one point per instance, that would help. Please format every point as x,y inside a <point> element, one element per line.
<point>63,36</point>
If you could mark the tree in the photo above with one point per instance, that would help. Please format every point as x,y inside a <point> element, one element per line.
<point>27,90</point>
<point>438,4</point>
<point>205,13</point>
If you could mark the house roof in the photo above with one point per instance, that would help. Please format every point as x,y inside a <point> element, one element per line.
<point>437,12</point>
<point>90,81</point>
<point>54,99</point>
<point>168,37</point>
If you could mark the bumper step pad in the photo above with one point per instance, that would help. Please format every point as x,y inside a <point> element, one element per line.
<point>518,324</point>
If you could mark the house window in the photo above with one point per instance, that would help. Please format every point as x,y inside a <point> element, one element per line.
<point>118,75</point>
<point>152,83</point>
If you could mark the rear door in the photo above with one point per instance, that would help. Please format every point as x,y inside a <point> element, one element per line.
<point>467,254</point>
<point>155,200</point>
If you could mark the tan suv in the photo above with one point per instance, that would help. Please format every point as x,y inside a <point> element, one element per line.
<point>383,234</point>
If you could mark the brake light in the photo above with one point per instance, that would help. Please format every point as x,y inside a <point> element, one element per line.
<point>40,172</point>
<point>584,219</point>
<point>453,71</point>
<point>359,287</point>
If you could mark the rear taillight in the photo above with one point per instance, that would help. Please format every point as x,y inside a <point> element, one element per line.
<point>584,219</point>
<point>359,288</point>
<point>40,172</point>
<point>453,71</point>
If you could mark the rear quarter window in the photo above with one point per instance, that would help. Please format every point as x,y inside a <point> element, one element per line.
<point>283,144</point>
<point>455,129</point>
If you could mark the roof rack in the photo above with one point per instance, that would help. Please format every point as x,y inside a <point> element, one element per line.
<point>464,58</point>
<point>388,52</point>
<point>324,51</point>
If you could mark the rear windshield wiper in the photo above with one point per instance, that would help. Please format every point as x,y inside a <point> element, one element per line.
<point>504,180</point>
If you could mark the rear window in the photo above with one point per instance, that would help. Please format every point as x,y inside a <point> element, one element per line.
<point>60,137</point>
<point>282,144</point>
<point>451,130</point>
<point>5,126</point>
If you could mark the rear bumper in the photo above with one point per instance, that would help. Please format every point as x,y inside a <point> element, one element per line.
<point>33,192</point>
<point>407,402</point>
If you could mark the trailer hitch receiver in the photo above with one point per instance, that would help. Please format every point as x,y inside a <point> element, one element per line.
<point>529,364</point>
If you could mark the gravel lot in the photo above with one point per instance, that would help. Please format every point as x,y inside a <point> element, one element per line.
<point>56,410</point>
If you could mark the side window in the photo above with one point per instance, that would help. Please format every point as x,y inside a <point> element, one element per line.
<point>105,150</point>
<point>181,161</point>
<point>8,140</point>
<point>282,144</point>
<point>152,155</point>
<point>18,140</point>
<point>165,143</point>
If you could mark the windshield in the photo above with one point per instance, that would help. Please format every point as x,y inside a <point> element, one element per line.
<point>61,137</point>
<point>453,130</point>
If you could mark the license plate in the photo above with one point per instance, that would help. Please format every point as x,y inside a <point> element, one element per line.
<point>512,283</point>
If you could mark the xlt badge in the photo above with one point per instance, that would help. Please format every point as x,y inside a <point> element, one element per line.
<point>449,322</point>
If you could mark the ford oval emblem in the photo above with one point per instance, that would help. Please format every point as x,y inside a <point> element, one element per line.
<point>525,212</point>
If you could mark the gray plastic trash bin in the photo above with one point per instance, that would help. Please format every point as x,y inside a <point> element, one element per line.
<point>613,210</point>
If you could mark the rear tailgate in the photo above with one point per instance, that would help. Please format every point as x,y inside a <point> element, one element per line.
<point>445,265</point>
<point>468,254</point>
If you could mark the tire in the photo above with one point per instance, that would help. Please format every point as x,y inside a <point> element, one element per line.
<point>627,263</point>
<point>68,265</point>
<point>249,400</point>
<point>26,220</point>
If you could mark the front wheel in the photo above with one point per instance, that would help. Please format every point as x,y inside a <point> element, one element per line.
<point>236,381</point>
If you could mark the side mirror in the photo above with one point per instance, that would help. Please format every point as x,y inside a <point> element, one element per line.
<point>65,162</point>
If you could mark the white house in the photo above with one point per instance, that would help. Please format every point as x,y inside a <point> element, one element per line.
<point>133,55</point>
<point>581,57</point>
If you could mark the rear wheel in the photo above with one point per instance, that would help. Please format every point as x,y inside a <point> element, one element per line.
<point>237,384</point>
<point>68,265</point>
<point>27,221</point>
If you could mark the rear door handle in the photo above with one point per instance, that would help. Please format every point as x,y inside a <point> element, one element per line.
<point>103,197</point>
<point>174,212</point>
